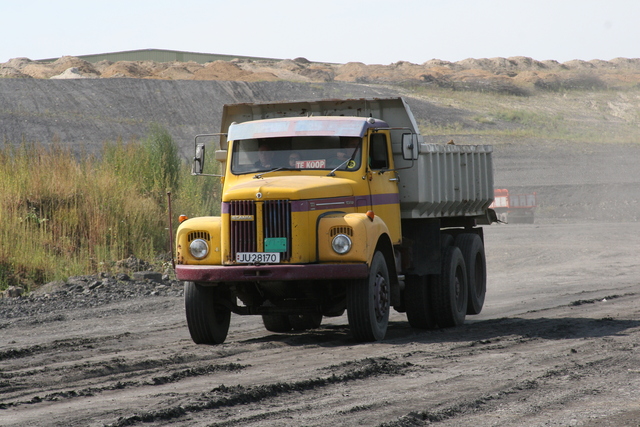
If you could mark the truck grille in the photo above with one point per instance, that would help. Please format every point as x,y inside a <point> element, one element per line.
<point>276,223</point>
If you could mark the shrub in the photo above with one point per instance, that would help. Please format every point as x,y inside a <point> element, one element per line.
<point>66,214</point>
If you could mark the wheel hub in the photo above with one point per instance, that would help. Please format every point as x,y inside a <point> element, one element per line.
<point>459,293</point>
<point>380,296</point>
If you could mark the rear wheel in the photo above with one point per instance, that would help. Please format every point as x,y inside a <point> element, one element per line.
<point>472,249</point>
<point>417,302</point>
<point>368,302</point>
<point>450,293</point>
<point>276,322</point>
<point>446,240</point>
<point>305,321</point>
<point>207,316</point>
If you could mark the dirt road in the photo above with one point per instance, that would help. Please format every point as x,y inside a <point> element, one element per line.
<point>558,343</point>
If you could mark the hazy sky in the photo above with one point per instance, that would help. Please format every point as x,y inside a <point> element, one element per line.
<point>369,31</point>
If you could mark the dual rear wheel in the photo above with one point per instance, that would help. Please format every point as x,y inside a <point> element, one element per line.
<point>472,249</point>
<point>445,300</point>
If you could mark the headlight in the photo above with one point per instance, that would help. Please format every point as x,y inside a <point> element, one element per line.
<point>341,244</point>
<point>199,249</point>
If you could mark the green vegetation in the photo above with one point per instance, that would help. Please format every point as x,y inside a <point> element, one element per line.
<point>62,214</point>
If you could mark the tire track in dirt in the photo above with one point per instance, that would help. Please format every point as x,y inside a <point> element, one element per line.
<point>224,396</point>
<point>105,371</point>
<point>17,353</point>
<point>56,365</point>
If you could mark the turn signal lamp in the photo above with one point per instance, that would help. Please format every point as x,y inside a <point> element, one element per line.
<point>182,218</point>
<point>370,215</point>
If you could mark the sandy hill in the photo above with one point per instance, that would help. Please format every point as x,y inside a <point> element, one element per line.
<point>516,75</point>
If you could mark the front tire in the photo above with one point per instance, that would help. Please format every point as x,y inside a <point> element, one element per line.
<point>368,302</point>
<point>208,319</point>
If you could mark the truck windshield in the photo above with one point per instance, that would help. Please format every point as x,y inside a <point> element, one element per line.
<point>300,152</point>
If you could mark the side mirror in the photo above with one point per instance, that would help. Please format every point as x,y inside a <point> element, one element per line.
<point>198,160</point>
<point>410,146</point>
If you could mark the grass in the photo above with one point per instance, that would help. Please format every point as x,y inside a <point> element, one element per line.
<point>64,214</point>
<point>599,116</point>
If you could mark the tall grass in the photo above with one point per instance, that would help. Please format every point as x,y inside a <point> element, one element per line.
<point>64,214</point>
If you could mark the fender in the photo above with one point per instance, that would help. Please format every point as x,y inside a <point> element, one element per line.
<point>363,232</point>
<point>207,228</point>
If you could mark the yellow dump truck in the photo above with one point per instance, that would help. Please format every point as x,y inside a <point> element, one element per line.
<point>335,205</point>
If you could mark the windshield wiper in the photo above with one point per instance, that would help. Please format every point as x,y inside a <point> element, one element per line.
<point>332,173</point>
<point>258,176</point>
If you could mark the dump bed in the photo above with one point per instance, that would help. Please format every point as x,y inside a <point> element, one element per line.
<point>445,180</point>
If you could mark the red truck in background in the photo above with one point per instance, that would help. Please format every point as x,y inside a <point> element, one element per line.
<point>514,208</point>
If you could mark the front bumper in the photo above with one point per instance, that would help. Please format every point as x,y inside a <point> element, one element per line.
<point>270,272</point>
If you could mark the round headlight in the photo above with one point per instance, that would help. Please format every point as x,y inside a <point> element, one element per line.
<point>199,249</point>
<point>341,244</point>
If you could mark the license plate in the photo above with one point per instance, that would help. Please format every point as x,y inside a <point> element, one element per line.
<point>258,257</point>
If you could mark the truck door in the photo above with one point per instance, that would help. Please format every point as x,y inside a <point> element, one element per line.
<point>383,184</point>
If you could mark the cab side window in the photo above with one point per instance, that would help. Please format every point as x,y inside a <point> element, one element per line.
<point>378,156</point>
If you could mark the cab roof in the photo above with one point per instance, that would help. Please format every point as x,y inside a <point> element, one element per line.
<point>303,126</point>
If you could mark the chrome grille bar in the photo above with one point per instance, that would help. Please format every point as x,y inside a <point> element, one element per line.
<point>243,233</point>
